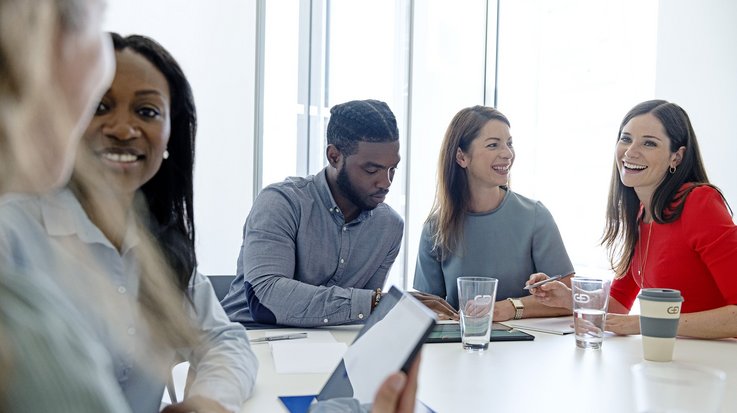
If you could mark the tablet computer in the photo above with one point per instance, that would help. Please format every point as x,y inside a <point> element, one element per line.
<point>388,342</point>
<point>451,333</point>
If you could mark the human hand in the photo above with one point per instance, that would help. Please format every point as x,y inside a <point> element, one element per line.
<point>441,307</point>
<point>398,392</point>
<point>196,404</point>
<point>622,324</point>
<point>478,306</point>
<point>552,294</point>
<point>583,327</point>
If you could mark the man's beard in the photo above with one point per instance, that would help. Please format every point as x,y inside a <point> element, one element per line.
<point>350,192</point>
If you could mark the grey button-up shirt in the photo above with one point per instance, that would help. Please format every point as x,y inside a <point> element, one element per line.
<point>301,264</point>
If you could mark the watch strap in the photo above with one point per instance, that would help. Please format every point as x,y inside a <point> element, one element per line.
<point>519,307</point>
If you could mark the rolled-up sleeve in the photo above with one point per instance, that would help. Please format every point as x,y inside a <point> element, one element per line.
<point>224,363</point>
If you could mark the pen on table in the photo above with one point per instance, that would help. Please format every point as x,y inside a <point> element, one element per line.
<point>547,280</point>
<point>290,336</point>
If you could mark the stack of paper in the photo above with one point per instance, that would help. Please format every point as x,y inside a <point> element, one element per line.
<point>302,356</point>
<point>554,325</point>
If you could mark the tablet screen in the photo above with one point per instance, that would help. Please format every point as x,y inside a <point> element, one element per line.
<point>451,333</point>
<point>387,343</point>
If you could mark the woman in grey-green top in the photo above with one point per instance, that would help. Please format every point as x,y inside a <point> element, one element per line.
<point>479,227</point>
<point>54,64</point>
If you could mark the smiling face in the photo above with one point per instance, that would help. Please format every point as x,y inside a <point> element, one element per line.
<point>489,157</point>
<point>130,130</point>
<point>643,155</point>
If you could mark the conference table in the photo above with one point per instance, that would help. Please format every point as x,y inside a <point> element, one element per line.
<point>548,374</point>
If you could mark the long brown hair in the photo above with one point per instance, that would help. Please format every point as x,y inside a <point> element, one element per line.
<point>623,207</point>
<point>452,193</point>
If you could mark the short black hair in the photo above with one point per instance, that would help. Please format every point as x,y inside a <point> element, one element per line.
<point>361,121</point>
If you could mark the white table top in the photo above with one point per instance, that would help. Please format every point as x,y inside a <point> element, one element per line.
<point>548,374</point>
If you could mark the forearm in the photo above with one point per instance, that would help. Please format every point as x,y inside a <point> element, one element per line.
<point>535,309</point>
<point>504,309</point>
<point>224,363</point>
<point>616,307</point>
<point>711,324</point>
<point>717,323</point>
<point>298,304</point>
<point>225,375</point>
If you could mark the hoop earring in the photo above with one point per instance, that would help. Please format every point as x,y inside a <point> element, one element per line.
<point>672,169</point>
<point>166,155</point>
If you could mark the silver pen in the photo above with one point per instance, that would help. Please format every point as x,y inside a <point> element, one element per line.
<point>290,336</point>
<point>545,281</point>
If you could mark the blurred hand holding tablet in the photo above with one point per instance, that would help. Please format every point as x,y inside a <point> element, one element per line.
<point>388,342</point>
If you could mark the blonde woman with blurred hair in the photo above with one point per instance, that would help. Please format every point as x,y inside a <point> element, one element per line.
<point>54,64</point>
<point>127,217</point>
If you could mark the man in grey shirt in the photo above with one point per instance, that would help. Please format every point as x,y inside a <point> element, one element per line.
<point>317,249</point>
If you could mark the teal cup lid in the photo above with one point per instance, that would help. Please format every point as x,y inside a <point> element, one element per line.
<point>660,294</point>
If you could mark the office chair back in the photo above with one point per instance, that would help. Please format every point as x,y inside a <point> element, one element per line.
<point>221,284</point>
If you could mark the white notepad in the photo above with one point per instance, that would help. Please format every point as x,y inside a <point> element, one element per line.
<point>552,325</point>
<point>294,357</point>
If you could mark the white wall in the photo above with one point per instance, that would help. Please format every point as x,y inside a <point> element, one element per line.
<point>447,75</point>
<point>216,48</point>
<point>568,72</point>
<point>697,69</point>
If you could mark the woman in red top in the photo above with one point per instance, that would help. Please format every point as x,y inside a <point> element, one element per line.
<point>667,227</point>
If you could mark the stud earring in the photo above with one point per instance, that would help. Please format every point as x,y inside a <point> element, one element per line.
<point>166,154</point>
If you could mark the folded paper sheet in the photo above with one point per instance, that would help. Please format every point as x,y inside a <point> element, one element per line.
<point>552,325</point>
<point>301,356</point>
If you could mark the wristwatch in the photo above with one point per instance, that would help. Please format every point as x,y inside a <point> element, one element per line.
<point>518,307</point>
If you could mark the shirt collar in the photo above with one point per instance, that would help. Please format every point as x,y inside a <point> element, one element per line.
<point>323,189</point>
<point>63,215</point>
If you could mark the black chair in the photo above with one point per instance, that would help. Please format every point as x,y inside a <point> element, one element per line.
<point>221,284</point>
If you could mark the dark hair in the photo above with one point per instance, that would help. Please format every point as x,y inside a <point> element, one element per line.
<point>169,193</point>
<point>452,193</point>
<point>621,229</point>
<point>361,121</point>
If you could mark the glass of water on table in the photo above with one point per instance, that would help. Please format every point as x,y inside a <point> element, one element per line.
<point>590,301</point>
<point>476,297</point>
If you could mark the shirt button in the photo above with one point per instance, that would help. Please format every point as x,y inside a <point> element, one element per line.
<point>131,331</point>
<point>360,316</point>
<point>325,320</point>
<point>122,290</point>
<point>345,228</point>
<point>341,260</point>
